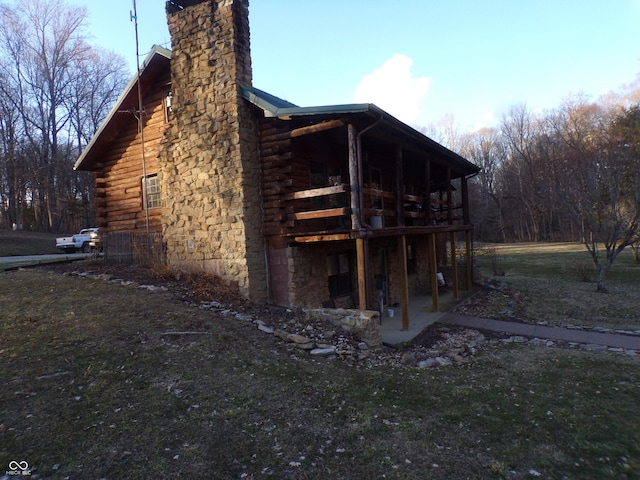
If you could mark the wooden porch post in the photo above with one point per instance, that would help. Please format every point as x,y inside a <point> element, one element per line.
<point>362,273</point>
<point>404,282</point>
<point>354,196</point>
<point>449,198</point>
<point>469,260</point>
<point>454,265</point>
<point>399,187</point>
<point>427,199</point>
<point>465,201</point>
<point>433,269</point>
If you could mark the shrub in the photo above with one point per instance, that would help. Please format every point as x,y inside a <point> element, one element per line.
<point>581,268</point>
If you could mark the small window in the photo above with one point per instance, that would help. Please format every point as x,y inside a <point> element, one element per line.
<point>151,188</point>
<point>339,273</point>
<point>168,100</point>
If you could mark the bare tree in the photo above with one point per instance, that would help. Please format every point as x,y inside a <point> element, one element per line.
<point>519,130</point>
<point>60,88</point>
<point>486,150</point>
<point>605,188</point>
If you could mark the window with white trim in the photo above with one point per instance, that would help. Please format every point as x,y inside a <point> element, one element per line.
<point>151,189</point>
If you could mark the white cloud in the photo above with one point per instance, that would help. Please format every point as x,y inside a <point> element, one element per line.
<point>393,88</point>
<point>487,119</point>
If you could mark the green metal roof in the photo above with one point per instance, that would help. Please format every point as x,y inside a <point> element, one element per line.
<point>276,107</point>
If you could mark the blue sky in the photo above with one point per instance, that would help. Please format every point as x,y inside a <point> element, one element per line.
<point>418,59</point>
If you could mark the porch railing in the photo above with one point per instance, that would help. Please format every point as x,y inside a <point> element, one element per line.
<point>328,208</point>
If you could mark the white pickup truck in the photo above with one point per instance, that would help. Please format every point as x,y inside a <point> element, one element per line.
<point>84,241</point>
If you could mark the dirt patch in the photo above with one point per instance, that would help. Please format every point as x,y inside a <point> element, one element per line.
<point>435,341</point>
<point>434,336</point>
<point>495,300</point>
<point>189,288</point>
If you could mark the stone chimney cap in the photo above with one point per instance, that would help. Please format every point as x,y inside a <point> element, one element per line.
<point>176,5</point>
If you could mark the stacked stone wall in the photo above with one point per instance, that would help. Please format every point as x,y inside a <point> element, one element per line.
<point>308,282</point>
<point>365,323</point>
<point>209,154</point>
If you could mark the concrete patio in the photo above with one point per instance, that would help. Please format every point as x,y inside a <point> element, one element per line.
<point>421,315</point>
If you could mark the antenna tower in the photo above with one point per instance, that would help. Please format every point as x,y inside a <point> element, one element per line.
<point>140,117</point>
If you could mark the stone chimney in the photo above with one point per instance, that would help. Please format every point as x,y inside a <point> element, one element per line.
<point>210,172</point>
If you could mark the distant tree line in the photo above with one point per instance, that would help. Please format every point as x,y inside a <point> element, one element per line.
<point>570,174</point>
<point>55,89</point>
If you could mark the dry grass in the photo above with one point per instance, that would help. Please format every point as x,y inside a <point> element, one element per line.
<point>94,387</point>
<point>26,243</point>
<point>545,283</point>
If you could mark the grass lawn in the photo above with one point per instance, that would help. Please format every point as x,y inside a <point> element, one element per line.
<point>548,286</point>
<point>93,386</point>
<point>26,243</point>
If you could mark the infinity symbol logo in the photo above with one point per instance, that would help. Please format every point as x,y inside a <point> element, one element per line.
<point>13,465</point>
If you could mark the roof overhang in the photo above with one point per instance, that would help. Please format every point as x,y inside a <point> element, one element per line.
<point>373,115</point>
<point>156,62</point>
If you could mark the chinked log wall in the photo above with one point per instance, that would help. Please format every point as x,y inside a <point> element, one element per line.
<point>277,176</point>
<point>118,192</point>
<point>289,202</point>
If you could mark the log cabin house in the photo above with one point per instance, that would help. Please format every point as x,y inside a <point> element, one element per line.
<point>339,205</point>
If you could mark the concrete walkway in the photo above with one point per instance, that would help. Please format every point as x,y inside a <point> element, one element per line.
<point>27,260</point>
<point>421,317</point>
<point>616,340</point>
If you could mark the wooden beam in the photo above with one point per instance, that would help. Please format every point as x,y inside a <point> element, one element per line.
<point>329,212</point>
<point>322,238</point>
<point>353,178</point>
<point>316,192</point>
<point>319,127</point>
<point>433,271</point>
<point>380,193</point>
<point>362,274</point>
<point>449,198</point>
<point>469,260</point>
<point>404,282</point>
<point>465,201</point>
<point>454,265</point>
<point>427,203</point>
<point>399,187</point>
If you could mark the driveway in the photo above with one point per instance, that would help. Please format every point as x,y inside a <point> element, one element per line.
<point>39,259</point>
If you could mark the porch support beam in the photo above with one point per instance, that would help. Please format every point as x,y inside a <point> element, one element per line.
<point>433,270</point>
<point>354,178</point>
<point>362,273</point>
<point>427,193</point>
<point>469,260</point>
<point>404,282</point>
<point>399,187</point>
<point>454,265</point>
<point>449,198</point>
<point>465,201</point>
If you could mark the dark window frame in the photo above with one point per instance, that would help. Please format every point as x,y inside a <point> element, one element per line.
<point>339,274</point>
